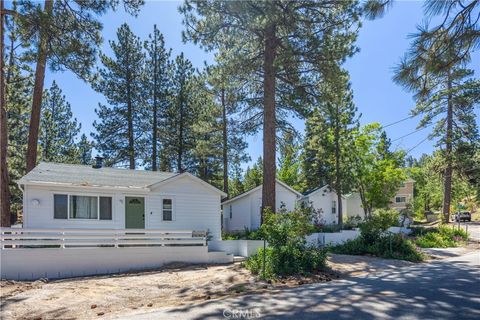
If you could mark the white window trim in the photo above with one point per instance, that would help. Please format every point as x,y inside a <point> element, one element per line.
<point>401,196</point>
<point>69,194</point>
<point>173,208</point>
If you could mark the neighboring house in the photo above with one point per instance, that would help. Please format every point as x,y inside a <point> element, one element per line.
<point>244,210</point>
<point>77,196</point>
<point>325,202</point>
<point>403,196</point>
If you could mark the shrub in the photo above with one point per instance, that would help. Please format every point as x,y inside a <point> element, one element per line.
<point>441,237</point>
<point>246,234</point>
<point>376,240</point>
<point>377,224</point>
<point>288,252</point>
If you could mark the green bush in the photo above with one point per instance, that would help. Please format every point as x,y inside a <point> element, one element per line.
<point>441,237</point>
<point>377,224</point>
<point>287,253</point>
<point>246,234</point>
<point>377,241</point>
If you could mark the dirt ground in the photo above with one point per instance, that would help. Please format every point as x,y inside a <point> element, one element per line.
<point>94,297</point>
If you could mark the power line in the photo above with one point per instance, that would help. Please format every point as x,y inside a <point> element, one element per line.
<point>409,150</point>
<point>408,134</point>
<point>398,121</point>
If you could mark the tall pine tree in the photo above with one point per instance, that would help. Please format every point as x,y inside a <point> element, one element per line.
<point>120,130</point>
<point>158,87</point>
<point>58,128</point>
<point>276,46</point>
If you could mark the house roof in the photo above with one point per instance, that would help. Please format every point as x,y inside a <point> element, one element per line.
<point>86,176</point>
<point>283,184</point>
<point>312,192</point>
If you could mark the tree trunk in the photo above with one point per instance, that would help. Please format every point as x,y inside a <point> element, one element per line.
<point>42,55</point>
<point>4,183</point>
<point>180,140</point>
<point>338,173</point>
<point>225,143</point>
<point>269,122</point>
<point>131,146</point>
<point>155,106</point>
<point>447,185</point>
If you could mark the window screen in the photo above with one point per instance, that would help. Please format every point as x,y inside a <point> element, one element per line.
<point>60,206</point>
<point>105,208</point>
<point>83,207</point>
<point>167,209</point>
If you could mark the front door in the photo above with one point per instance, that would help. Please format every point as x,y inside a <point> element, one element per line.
<point>134,213</point>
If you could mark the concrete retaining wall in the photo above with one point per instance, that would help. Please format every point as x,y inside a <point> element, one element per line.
<point>244,248</point>
<point>30,264</point>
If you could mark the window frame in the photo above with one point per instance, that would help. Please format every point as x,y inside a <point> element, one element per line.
<point>171,198</point>
<point>231,212</point>
<point>70,194</point>
<point>400,197</point>
<point>334,206</point>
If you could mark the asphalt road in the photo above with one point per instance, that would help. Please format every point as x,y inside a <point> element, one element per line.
<point>446,289</point>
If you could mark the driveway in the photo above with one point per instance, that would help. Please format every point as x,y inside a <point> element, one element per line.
<point>473,229</point>
<point>446,289</point>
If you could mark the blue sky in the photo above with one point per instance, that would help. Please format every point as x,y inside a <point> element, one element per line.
<point>382,43</point>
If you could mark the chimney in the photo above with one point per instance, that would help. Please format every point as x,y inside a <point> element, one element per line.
<point>98,162</point>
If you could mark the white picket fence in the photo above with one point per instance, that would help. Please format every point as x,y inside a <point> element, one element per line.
<point>14,238</point>
<point>28,254</point>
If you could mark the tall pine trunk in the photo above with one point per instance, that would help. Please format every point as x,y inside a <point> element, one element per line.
<point>131,147</point>
<point>269,122</point>
<point>447,185</point>
<point>180,140</point>
<point>338,174</point>
<point>42,55</point>
<point>155,106</point>
<point>4,183</point>
<point>225,143</point>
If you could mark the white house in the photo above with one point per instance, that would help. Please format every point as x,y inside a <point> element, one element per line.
<point>78,196</point>
<point>244,210</point>
<point>325,202</point>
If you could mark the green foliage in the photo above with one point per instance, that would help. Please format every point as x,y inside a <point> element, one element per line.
<point>58,128</point>
<point>246,234</point>
<point>289,166</point>
<point>441,237</point>
<point>119,131</point>
<point>376,171</point>
<point>377,224</point>
<point>254,175</point>
<point>330,134</point>
<point>376,240</point>
<point>287,251</point>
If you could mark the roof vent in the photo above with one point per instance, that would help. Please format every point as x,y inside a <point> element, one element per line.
<point>98,162</point>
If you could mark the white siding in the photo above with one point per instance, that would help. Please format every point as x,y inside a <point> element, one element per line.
<point>41,215</point>
<point>354,206</point>
<point>195,207</point>
<point>246,210</point>
<point>322,202</point>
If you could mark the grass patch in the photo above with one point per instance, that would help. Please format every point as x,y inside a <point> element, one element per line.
<point>440,237</point>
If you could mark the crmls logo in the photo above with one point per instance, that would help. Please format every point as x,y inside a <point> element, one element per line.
<point>241,314</point>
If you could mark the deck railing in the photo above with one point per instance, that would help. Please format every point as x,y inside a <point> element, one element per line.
<point>16,238</point>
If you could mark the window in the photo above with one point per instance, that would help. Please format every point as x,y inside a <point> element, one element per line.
<point>82,207</point>
<point>167,209</point>
<point>105,208</point>
<point>231,212</point>
<point>60,206</point>
<point>402,185</point>
<point>334,206</point>
<point>400,199</point>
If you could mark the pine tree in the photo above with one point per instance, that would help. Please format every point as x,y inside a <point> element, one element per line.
<point>229,94</point>
<point>120,130</point>
<point>58,128</point>
<point>289,165</point>
<point>19,84</point>
<point>63,35</point>
<point>180,114</point>
<point>158,86</point>
<point>276,47</point>
<point>253,176</point>
<point>444,95</point>
<point>84,147</point>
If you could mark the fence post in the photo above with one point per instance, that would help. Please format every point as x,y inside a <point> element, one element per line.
<point>63,241</point>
